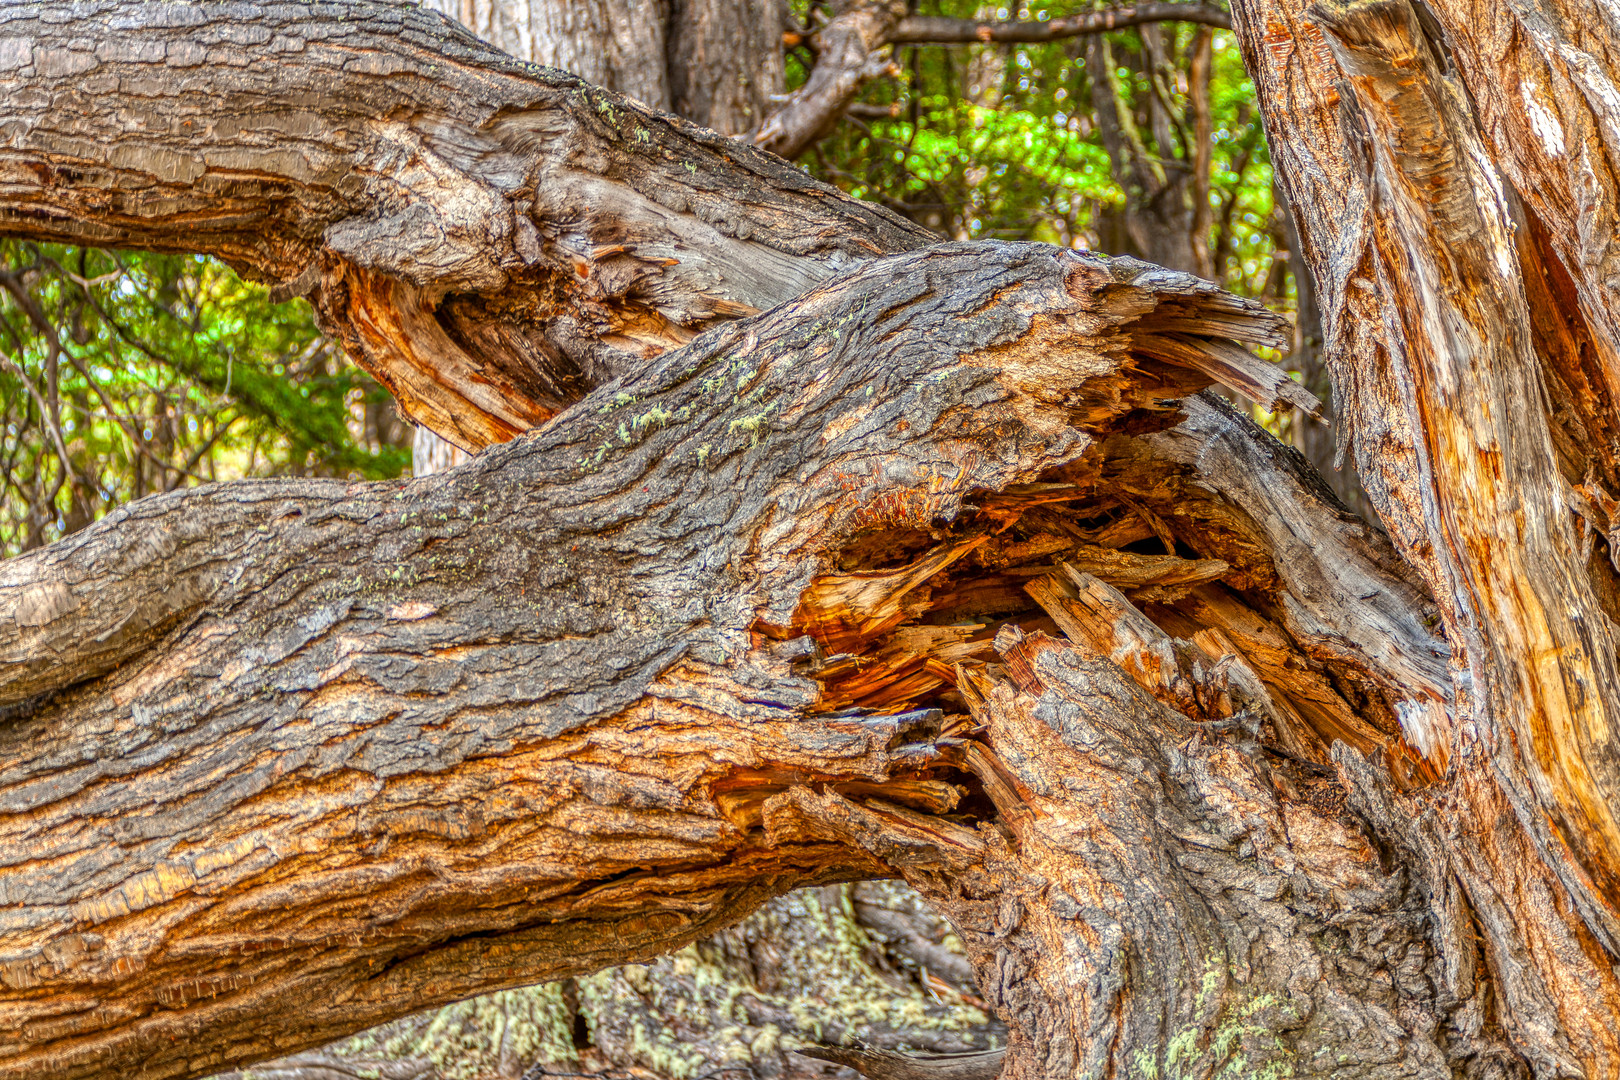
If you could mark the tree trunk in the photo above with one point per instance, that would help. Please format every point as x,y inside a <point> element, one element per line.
<point>867,963</point>
<point>1433,158</point>
<point>935,565</point>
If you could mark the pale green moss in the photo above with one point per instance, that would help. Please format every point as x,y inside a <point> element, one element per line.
<point>754,425</point>
<point>465,1041</point>
<point>1236,1036</point>
<point>827,987</point>
<point>657,417</point>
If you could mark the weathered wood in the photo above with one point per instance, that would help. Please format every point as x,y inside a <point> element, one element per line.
<point>804,968</point>
<point>491,239</point>
<point>1146,851</point>
<point>312,754</point>
<point>1471,351</point>
<point>402,752</point>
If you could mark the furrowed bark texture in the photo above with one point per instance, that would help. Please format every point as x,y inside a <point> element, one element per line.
<point>807,970</point>
<point>717,63</point>
<point>1451,165</point>
<point>942,569</point>
<point>538,715</point>
<point>489,238</point>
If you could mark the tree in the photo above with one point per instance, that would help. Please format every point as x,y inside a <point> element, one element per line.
<point>922,560</point>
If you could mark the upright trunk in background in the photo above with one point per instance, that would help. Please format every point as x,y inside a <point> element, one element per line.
<point>725,61</point>
<point>615,44</point>
<point>1160,221</point>
<point>716,62</point>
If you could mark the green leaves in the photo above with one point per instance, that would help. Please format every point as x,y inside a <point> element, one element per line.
<point>1003,140</point>
<point>154,371</point>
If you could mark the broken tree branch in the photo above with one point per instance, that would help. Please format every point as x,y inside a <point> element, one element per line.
<point>578,635</point>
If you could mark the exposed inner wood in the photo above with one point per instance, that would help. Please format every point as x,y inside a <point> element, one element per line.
<point>1191,630</point>
<point>1442,160</point>
<point>936,567</point>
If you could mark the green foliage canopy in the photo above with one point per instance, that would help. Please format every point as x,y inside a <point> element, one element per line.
<point>123,374</point>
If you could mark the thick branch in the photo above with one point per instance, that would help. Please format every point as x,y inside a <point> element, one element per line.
<point>421,184</point>
<point>1508,556</point>
<point>1469,360</point>
<point>535,715</point>
<point>850,55</point>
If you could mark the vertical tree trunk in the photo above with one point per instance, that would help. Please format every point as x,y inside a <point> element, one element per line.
<point>1156,221</point>
<point>725,61</point>
<point>1433,155</point>
<point>615,44</point>
<point>715,62</point>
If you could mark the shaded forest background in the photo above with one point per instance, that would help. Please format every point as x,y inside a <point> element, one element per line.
<point>123,374</point>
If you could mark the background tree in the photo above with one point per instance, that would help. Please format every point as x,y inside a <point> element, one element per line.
<point>128,374</point>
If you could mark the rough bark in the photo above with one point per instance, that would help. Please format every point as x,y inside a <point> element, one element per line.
<point>717,63</point>
<point>806,968</point>
<point>726,67</point>
<point>615,44</point>
<point>942,569</point>
<point>1435,157</point>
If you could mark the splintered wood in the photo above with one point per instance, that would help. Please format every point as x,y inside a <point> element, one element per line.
<point>1102,571</point>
